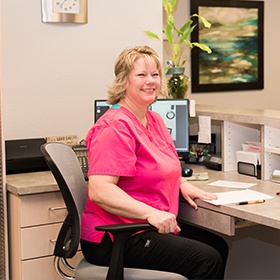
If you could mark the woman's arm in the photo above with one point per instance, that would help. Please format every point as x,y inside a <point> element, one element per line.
<point>190,192</point>
<point>104,191</point>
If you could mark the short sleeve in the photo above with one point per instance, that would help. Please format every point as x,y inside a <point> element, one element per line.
<point>111,151</point>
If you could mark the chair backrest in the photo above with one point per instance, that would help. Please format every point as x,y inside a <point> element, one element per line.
<point>67,171</point>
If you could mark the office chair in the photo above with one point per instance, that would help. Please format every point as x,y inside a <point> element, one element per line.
<point>66,169</point>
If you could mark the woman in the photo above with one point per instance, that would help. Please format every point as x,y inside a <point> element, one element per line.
<point>135,175</point>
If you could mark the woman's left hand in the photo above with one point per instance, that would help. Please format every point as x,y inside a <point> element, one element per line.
<point>190,192</point>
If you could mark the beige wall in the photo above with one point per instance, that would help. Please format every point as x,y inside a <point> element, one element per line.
<point>53,72</point>
<point>4,271</point>
<point>269,96</point>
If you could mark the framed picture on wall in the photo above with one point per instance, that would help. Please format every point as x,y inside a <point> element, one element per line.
<point>236,39</point>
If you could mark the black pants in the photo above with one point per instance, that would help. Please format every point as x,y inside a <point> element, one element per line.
<point>195,253</point>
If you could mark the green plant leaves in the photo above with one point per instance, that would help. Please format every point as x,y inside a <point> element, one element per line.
<point>205,22</point>
<point>202,47</point>
<point>178,38</point>
<point>152,34</point>
<point>169,34</point>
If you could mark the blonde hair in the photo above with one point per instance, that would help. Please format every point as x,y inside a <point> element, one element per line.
<point>124,65</point>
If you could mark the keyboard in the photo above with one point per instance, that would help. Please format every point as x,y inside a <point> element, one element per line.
<point>82,155</point>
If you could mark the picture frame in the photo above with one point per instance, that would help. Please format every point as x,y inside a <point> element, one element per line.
<point>236,37</point>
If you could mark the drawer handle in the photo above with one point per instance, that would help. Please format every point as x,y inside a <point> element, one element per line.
<point>53,241</point>
<point>57,208</point>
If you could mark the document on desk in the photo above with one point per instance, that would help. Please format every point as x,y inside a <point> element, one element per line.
<point>238,196</point>
<point>204,133</point>
<point>231,184</point>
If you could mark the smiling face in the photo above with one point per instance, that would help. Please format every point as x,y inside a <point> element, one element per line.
<point>143,82</point>
<point>133,67</point>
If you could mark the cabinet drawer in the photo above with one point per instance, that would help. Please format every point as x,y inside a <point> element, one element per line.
<point>39,241</point>
<point>207,218</point>
<point>43,268</point>
<point>39,209</point>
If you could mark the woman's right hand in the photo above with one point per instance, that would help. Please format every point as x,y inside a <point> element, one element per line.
<point>165,222</point>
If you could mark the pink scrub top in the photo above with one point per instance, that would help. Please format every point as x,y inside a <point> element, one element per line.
<point>145,160</point>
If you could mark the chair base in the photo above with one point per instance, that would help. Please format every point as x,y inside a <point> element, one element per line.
<point>86,271</point>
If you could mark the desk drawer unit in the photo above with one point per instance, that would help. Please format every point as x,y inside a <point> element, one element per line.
<point>39,268</point>
<point>35,221</point>
<point>39,241</point>
<point>41,209</point>
<point>207,218</point>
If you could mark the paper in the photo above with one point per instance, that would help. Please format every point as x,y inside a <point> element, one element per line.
<point>232,184</point>
<point>276,172</point>
<point>204,133</point>
<point>192,108</point>
<point>238,196</point>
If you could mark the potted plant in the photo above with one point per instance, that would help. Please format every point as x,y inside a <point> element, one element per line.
<point>178,40</point>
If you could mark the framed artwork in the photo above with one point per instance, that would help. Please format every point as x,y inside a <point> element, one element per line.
<point>236,39</point>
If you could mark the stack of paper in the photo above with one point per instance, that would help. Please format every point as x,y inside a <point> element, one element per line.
<point>231,184</point>
<point>238,196</point>
<point>252,146</point>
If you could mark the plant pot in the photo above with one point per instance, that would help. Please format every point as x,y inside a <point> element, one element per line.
<point>178,83</point>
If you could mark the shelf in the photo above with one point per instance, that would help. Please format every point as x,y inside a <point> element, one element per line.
<point>273,150</point>
<point>239,126</point>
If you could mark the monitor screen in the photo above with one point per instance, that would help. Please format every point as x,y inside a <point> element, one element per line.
<point>100,107</point>
<point>175,113</point>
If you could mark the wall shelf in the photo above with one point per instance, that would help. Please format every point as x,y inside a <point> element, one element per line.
<point>273,150</point>
<point>241,125</point>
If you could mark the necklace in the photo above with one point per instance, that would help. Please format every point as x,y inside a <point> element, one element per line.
<point>142,118</point>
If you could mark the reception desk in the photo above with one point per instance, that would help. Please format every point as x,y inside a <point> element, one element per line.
<point>36,211</point>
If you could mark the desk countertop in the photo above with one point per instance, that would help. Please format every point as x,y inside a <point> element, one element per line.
<point>31,183</point>
<point>265,213</point>
<point>254,116</point>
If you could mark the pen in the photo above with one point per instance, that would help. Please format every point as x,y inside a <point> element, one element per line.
<point>251,202</point>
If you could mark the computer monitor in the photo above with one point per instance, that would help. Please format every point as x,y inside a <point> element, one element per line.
<point>100,107</point>
<point>175,113</point>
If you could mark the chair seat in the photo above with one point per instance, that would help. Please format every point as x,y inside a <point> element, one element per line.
<point>86,271</point>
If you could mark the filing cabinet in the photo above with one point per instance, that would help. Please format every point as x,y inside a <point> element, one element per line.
<point>34,223</point>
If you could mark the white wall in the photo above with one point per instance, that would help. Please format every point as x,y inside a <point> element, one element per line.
<point>52,72</point>
<point>4,259</point>
<point>269,96</point>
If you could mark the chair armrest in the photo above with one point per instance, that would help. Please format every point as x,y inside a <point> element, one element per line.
<point>120,232</point>
<point>134,227</point>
